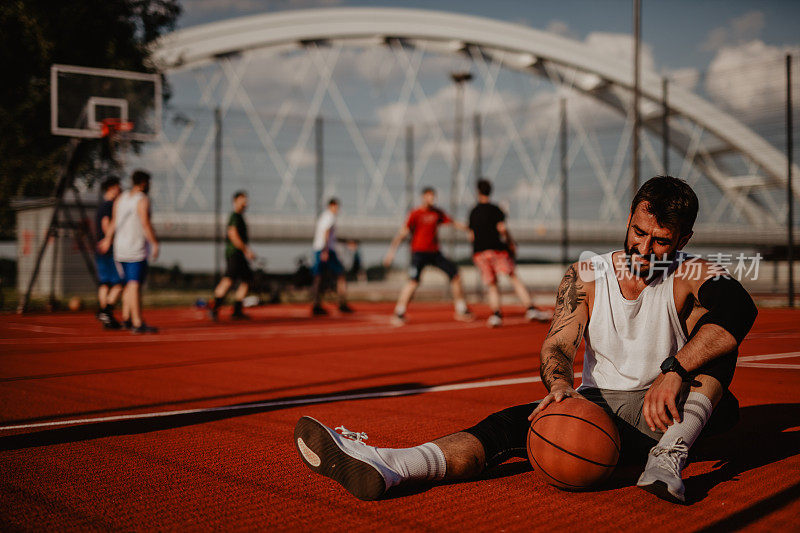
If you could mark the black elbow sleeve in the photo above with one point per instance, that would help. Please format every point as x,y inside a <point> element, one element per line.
<point>729,306</point>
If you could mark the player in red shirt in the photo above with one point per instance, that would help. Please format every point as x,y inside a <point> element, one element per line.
<point>423,224</point>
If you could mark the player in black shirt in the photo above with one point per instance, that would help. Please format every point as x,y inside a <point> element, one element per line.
<point>110,282</point>
<point>493,253</point>
<point>237,255</point>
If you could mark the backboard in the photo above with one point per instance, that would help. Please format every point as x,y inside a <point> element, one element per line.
<point>82,97</point>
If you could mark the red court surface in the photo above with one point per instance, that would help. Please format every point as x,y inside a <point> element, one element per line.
<point>192,428</point>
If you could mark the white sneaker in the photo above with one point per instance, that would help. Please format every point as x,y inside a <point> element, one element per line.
<point>398,320</point>
<point>466,316</point>
<point>538,314</point>
<point>344,458</point>
<point>494,321</point>
<point>662,475</point>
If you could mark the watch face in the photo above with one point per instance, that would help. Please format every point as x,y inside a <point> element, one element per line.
<point>666,366</point>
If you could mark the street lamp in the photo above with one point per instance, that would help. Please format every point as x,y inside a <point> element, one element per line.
<point>459,78</point>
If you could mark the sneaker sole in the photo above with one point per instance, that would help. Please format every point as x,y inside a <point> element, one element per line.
<point>322,455</point>
<point>659,488</point>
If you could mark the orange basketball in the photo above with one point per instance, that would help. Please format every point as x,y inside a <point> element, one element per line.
<point>573,444</point>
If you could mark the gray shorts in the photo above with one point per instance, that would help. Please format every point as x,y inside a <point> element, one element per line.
<point>504,433</point>
<point>626,409</point>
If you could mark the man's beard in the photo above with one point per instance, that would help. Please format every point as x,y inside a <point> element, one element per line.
<point>646,271</point>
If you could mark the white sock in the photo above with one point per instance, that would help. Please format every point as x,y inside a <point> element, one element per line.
<point>461,306</point>
<point>696,412</point>
<point>400,309</point>
<point>421,463</point>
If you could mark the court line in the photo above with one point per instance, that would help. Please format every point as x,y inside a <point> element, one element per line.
<point>367,395</point>
<point>748,358</point>
<point>284,403</point>
<point>269,331</point>
<point>42,329</point>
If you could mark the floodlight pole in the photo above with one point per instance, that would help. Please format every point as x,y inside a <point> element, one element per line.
<point>665,125</point>
<point>459,78</point>
<point>217,195</point>
<point>476,124</point>
<point>789,162</point>
<point>318,175</point>
<point>564,190</point>
<point>409,167</point>
<point>637,120</point>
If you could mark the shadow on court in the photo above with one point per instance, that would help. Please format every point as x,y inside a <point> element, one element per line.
<point>99,430</point>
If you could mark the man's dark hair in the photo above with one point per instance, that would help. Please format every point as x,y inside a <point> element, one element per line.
<point>109,182</point>
<point>333,201</point>
<point>426,190</point>
<point>140,176</point>
<point>238,194</point>
<point>485,187</point>
<point>671,200</point>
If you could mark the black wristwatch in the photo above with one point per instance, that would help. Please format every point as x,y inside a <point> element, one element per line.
<point>671,364</point>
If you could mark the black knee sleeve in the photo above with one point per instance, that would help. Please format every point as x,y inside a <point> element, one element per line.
<point>504,433</point>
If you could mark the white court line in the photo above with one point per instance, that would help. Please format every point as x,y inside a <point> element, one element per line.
<point>283,403</point>
<point>268,331</point>
<point>362,396</point>
<point>774,366</point>
<point>42,329</point>
<point>748,358</point>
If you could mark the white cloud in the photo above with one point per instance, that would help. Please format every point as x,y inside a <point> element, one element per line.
<point>620,46</point>
<point>749,78</point>
<point>737,31</point>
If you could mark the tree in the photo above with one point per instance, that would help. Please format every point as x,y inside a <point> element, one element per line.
<point>34,35</point>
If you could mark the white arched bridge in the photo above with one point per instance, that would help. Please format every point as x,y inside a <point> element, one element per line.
<point>740,177</point>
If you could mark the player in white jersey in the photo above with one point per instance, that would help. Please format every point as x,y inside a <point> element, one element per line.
<point>326,260</point>
<point>662,331</point>
<point>134,241</point>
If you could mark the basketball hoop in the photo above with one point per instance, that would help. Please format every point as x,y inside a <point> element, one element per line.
<point>111,127</point>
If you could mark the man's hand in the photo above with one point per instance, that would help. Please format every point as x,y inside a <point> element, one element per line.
<point>323,256</point>
<point>154,251</point>
<point>662,393</point>
<point>559,391</point>
<point>104,245</point>
<point>248,253</point>
<point>388,258</point>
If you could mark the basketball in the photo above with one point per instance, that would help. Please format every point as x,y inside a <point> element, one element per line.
<point>573,444</point>
<point>75,303</point>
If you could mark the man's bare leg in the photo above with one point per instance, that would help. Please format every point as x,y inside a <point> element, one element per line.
<point>494,298</point>
<point>113,295</point>
<point>462,311</point>
<point>464,455</point>
<point>521,290</point>
<point>102,296</point>
<point>239,296</point>
<point>406,293</point>
<point>220,291</point>
<point>134,302</point>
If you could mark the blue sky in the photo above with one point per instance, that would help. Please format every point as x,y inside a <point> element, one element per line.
<point>681,33</point>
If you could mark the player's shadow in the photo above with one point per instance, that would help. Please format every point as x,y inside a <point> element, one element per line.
<point>760,438</point>
<point>149,423</point>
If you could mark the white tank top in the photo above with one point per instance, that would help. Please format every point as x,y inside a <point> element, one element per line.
<point>130,244</point>
<point>627,340</point>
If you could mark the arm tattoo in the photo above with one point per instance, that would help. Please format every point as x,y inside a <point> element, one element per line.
<point>559,353</point>
<point>556,364</point>
<point>570,295</point>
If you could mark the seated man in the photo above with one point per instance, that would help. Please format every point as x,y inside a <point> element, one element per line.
<point>662,331</point>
